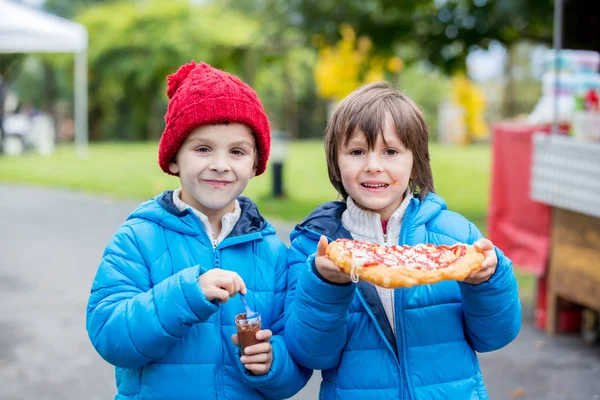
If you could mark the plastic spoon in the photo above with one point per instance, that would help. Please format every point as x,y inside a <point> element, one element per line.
<point>249,313</point>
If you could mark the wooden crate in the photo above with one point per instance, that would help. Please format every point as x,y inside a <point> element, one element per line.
<point>574,270</point>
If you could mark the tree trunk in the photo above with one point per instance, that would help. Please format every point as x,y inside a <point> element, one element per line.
<point>49,88</point>
<point>508,101</point>
<point>290,105</point>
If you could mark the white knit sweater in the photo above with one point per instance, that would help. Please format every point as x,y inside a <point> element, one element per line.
<point>228,220</point>
<point>366,226</point>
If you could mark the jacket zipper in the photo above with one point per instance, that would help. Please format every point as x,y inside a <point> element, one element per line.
<point>400,299</point>
<point>217,264</point>
<point>377,327</point>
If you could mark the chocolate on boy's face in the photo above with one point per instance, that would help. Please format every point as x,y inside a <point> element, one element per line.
<point>214,164</point>
<point>376,178</point>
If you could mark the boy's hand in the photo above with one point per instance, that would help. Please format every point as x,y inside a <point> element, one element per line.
<point>221,284</point>
<point>488,267</point>
<point>326,267</point>
<point>258,357</point>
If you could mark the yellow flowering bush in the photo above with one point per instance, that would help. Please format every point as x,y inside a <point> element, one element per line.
<point>471,98</point>
<point>348,64</point>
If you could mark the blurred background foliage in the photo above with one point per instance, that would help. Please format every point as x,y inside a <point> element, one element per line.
<point>301,56</point>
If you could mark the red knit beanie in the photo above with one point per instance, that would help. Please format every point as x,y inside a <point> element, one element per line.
<point>201,95</point>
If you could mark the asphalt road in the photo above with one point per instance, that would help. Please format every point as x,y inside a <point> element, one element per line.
<point>50,244</point>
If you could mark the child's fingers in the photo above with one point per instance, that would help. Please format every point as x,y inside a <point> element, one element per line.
<point>213,293</point>
<point>256,358</point>
<point>324,262</point>
<point>481,275</point>
<point>224,282</point>
<point>322,246</point>
<point>242,285</point>
<point>258,369</point>
<point>237,283</point>
<point>220,294</point>
<point>264,334</point>
<point>488,251</point>
<point>235,339</point>
<point>258,348</point>
<point>484,244</point>
<point>489,262</point>
<point>476,275</point>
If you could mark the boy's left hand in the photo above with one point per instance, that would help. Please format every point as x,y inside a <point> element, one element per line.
<point>488,267</point>
<point>258,357</point>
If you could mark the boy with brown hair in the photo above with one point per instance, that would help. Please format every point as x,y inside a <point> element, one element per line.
<point>376,343</point>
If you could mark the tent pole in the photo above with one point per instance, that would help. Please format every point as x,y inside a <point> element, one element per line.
<point>557,44</point>
<point>81,106</point>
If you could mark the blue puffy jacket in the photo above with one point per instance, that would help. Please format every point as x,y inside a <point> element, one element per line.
<point>343,329</point>
<point>147,315</point>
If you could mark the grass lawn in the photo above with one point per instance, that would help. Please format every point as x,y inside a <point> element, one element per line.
<point>130,170</point>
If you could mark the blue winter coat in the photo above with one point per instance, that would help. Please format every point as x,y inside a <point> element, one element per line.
<point>343,329</point>
<point>147,315</point>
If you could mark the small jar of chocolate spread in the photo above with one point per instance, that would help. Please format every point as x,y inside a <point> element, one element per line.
<point>247,329</point>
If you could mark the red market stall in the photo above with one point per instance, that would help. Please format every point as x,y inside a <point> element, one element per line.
<point>545,187</point>
<point>518,224</point>
<point>534,173</point>
<point>545,215</point>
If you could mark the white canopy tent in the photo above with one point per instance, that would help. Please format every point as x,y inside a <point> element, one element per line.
<point>27,30</point>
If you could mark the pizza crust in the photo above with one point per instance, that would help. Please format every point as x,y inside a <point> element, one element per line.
<point>387,277</point>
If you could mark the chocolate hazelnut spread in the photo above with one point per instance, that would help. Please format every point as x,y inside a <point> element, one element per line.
<point>247,329</point>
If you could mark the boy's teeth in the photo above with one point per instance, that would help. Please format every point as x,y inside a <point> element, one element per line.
<point>375,186</point>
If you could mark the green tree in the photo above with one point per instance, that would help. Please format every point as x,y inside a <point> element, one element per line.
<point>443,31</point>
<point>280,67</point>
<point>134,46</point>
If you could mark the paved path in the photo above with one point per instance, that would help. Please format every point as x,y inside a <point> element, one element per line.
<point>50,244</point>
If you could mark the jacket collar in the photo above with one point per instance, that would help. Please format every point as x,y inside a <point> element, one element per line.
<point>324,220</point>
<point>250,219</point>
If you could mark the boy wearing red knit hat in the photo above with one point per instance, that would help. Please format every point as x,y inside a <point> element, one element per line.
<point>163,304</point>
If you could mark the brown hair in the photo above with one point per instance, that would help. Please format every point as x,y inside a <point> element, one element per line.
<point>366,110</point>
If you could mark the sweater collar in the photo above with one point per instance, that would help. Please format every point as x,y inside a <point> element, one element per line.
<point>228,220</point>
<point>367,224</point>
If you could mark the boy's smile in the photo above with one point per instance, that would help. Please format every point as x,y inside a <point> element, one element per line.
<point>214,164</point>
<point>375,186</point>
<point>216,183</point>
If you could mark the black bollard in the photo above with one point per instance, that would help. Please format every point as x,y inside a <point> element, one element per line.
<point>277,168</point>
<point>278,149</point>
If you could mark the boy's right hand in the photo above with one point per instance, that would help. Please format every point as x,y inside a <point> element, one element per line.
<point>326,267</point>
<point>221,284</point>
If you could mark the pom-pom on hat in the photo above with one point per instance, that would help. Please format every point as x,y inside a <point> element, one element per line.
<point>202,95</point>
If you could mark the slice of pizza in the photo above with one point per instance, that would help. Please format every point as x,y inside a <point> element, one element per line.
<point>404,266</point>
